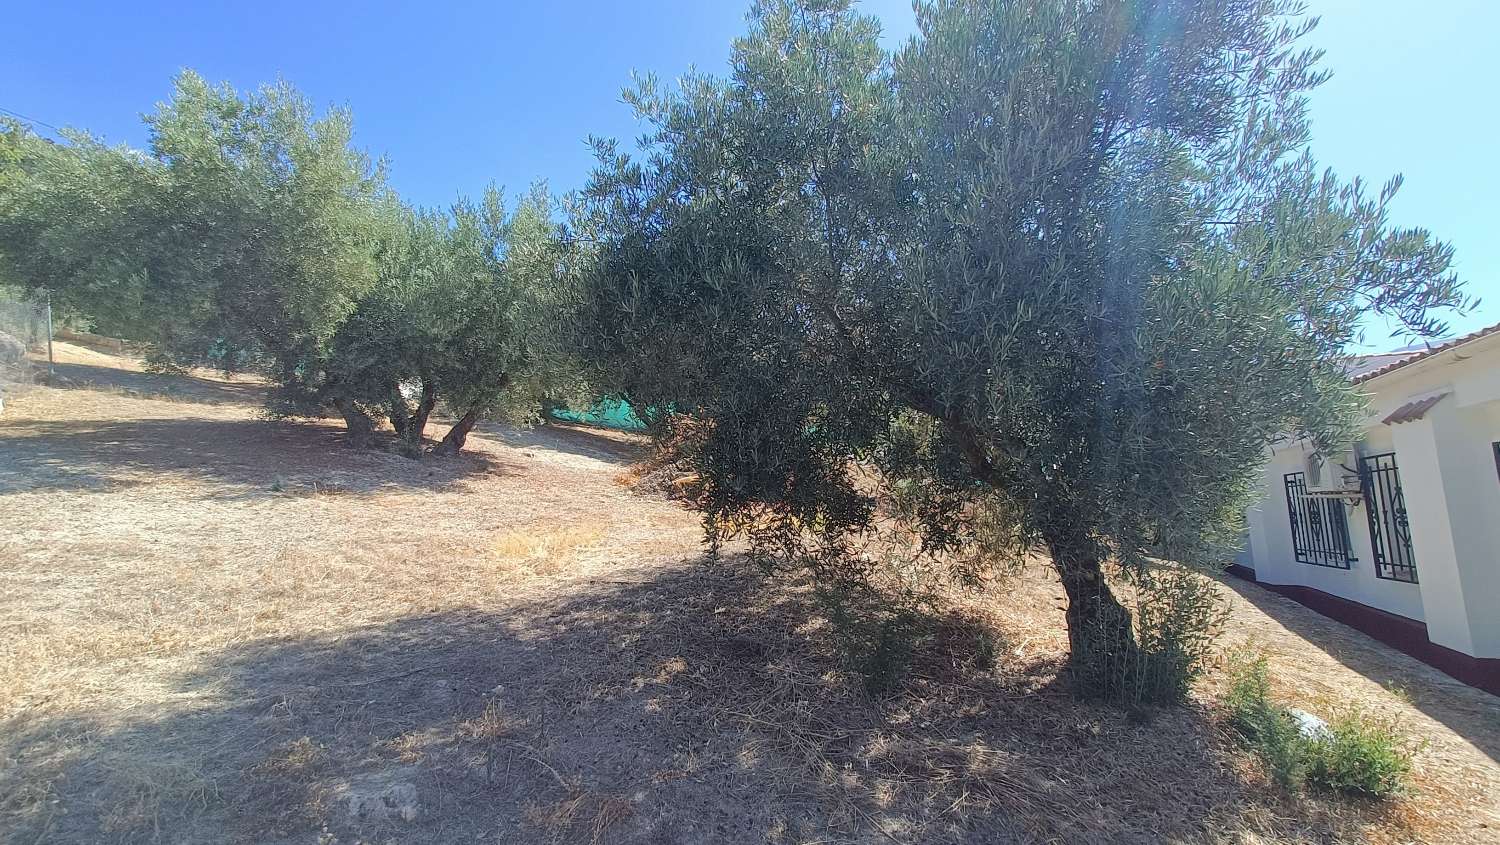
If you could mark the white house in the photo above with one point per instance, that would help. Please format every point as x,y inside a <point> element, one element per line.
<point>1400,535</point>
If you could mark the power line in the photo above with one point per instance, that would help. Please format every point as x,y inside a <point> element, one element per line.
<point>32,120</point>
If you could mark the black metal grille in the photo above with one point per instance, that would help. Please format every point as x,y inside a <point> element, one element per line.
<point>1390,533</point>
<point>1320,529</point>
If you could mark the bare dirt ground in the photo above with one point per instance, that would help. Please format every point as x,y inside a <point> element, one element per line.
<point>219,628</point>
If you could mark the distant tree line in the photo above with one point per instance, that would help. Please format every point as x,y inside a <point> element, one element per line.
<point>1048,277</point>
<point>252,236</point>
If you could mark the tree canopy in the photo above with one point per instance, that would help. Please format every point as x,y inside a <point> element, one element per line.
<point>1056,270</point>
<point>72,217</point>
<point>254,235</point>
<point>470,307</point>
<point>1048,276</point>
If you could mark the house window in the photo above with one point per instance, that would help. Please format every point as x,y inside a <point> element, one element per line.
<point>1320,528</point>
<point>1385,505</point>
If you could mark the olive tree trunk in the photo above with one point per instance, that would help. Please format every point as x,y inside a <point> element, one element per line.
<point>400,413</point>
<point>361,427</point>
<point>1104,654</point>
<point>454,440</point>
<point>1103,647</point>
<point>418,423</point>
<point>411,424</point>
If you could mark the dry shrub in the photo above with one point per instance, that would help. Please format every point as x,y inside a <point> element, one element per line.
<point>678,439</point>
<point>491,724</point>
<point>407,747</point>
<point>317,488</point>
<point>581,815</point>
<point>488,730</point>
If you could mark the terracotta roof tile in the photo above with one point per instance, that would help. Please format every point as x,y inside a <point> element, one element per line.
<point>1427,353</point>
<point>1413,410</point>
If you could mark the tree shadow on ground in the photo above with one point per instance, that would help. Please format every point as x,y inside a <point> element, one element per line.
<point>181,387</point>
<point>247,458</point>
<point>698,705</point>
<point>1468,711</point>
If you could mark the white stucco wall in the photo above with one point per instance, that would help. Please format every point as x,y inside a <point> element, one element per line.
<point>1452,492</point>
<point>1275,562</point>
<point>1454,506</point>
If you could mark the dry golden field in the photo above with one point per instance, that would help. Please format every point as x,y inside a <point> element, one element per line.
<point>219,628</point>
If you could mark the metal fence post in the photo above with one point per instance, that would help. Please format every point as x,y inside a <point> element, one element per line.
<point>51,371</point>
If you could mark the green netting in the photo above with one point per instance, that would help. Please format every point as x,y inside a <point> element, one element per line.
<point>609,413</point>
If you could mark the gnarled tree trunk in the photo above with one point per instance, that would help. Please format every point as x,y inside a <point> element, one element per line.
<point>400,412</point>
<point>418,422</point>
<point>454,440</point>
<point>411,424</point>
<point>360,426</point>
<point>1104,652</point>
<point>1103,648</point>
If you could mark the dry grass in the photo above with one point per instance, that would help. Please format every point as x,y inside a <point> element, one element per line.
<point>582,816</point>
<point>216,625</point>
<point>287,784</point>
<point>545,549</point>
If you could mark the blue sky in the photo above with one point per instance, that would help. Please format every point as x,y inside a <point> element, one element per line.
<point>461,94</point>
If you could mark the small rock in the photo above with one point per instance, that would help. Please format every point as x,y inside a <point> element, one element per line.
<point>1310,726</point>
<point>386,795</point>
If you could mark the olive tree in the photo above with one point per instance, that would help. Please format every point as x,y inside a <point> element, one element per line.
<point>253,235</point>
<point>245,235</point>
<point>73,218</point>
<point>274,211</point>
<point>470,310</point>
<point>1055,270</point>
